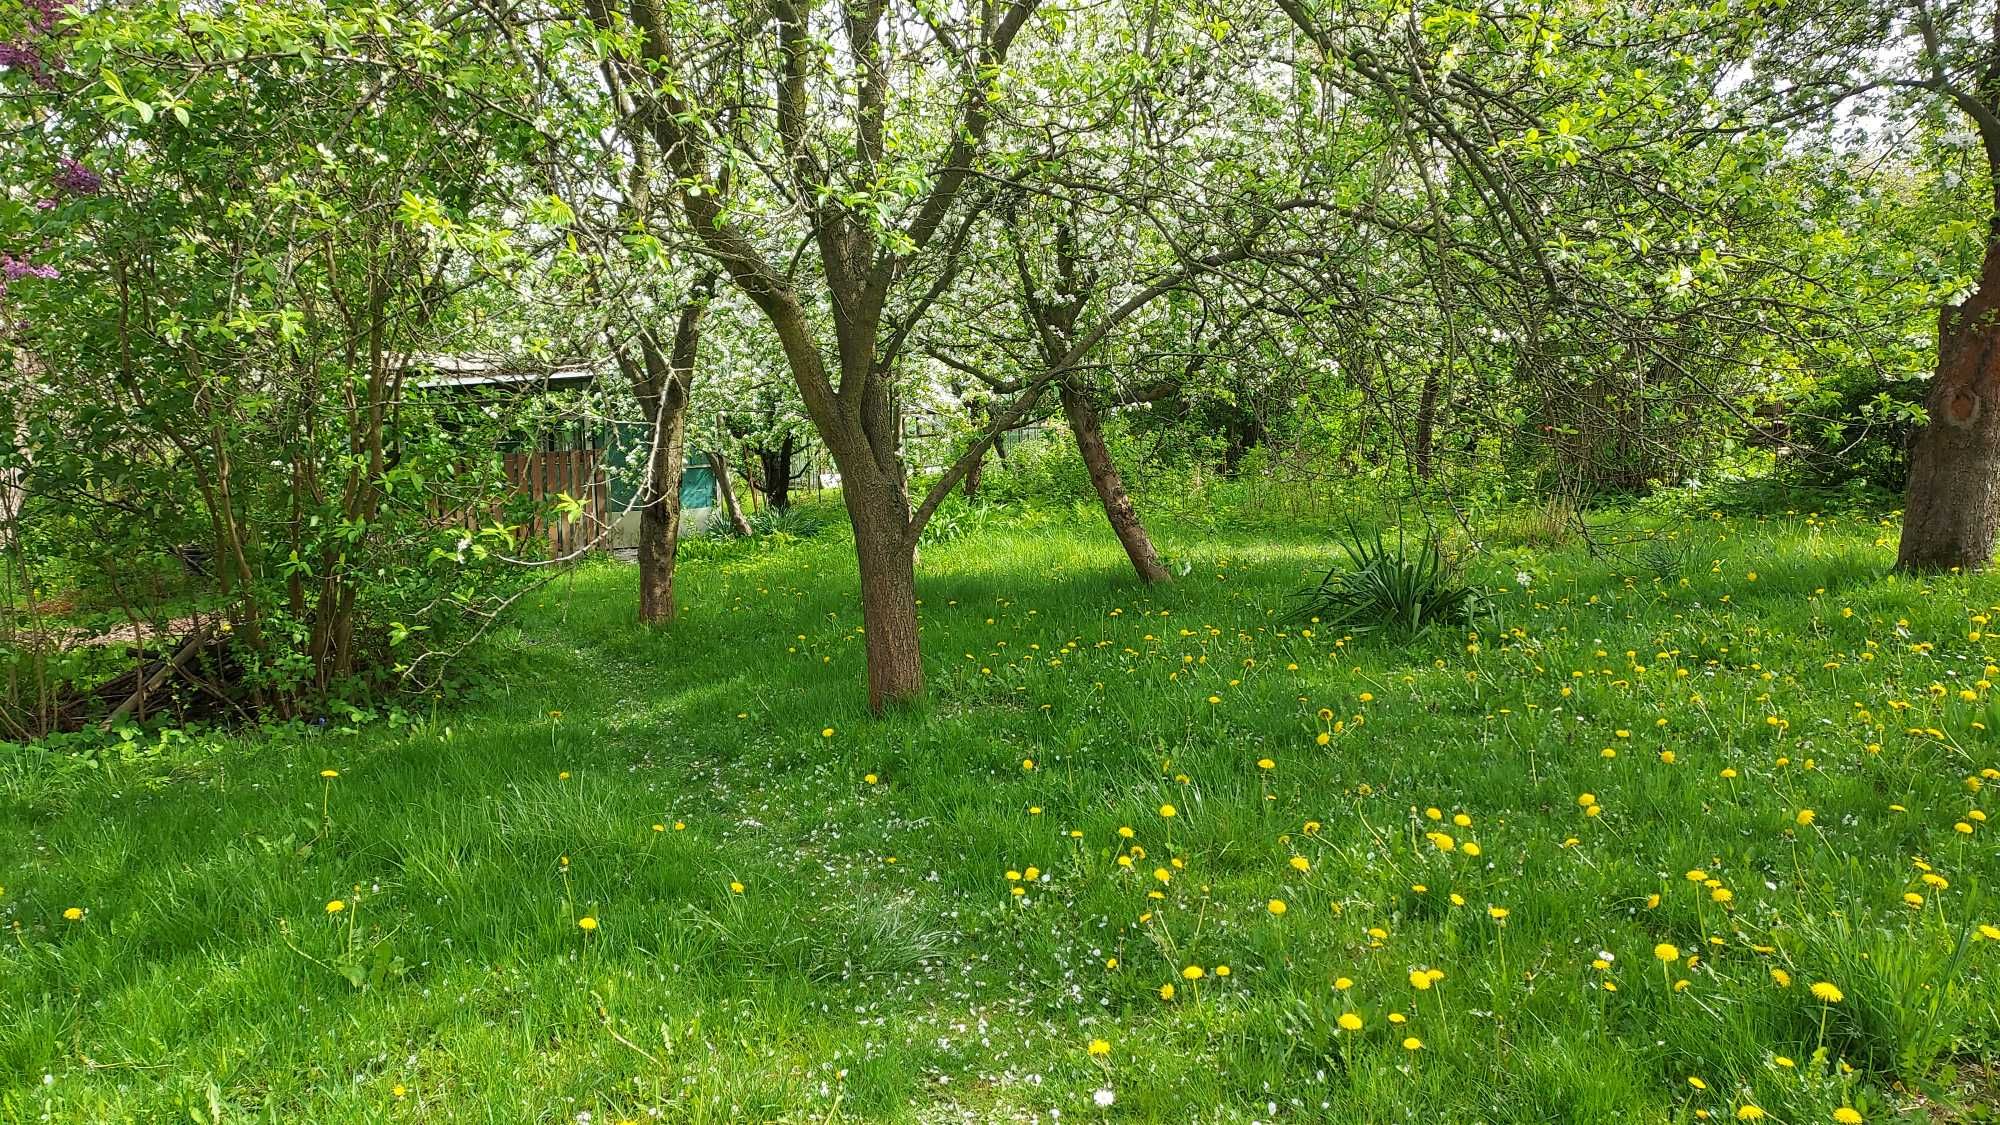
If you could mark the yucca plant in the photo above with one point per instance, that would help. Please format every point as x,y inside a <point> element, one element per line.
<point>1399,587</point>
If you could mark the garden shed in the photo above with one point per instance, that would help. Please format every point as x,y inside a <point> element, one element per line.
<point>578,453</point>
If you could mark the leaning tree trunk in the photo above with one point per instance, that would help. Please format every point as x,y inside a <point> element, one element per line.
<point>1951,509</point>
<point>1083,422</point>
<point>720,468</point>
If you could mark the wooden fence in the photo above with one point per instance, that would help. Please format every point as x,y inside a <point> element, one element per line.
<point>542,476</point>
<point>547,474</point>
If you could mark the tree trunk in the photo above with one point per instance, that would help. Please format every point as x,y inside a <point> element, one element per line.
<point>972,476</point>
<point>1951,509</point>
<point>660,516</point>
<point>776,465</point>
<point>1110,486</point>
<point>663,382</point>
<point>720,468</point>
<point>659,542</point>
<point>1425,442</point>
<point>887,559</point>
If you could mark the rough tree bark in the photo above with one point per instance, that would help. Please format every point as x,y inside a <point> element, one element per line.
<point>972,476</point>
<point>1951,508</point>
<point>1104,477</point>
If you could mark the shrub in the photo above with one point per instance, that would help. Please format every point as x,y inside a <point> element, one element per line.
<point>1393,587</point>
<point>1857,428</point>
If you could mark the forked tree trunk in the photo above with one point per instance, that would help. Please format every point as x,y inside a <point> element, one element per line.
<point>1951,509</point>
<point>1104,477</point>
<point>776,465</point>
<point>724,489</point>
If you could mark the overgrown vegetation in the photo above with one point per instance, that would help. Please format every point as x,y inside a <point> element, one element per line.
<point>1775,760</point>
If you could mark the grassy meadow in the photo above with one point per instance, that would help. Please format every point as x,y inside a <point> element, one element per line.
<point>1697,829</point>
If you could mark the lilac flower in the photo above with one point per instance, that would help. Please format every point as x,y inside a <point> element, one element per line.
<point>14,269</point>
<point>21,55</point>
<point>43,13</point>
<point>28,57</point>
<point>71,176</point>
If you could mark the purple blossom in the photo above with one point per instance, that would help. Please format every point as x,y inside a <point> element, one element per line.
<point>14,269</point>
<point>21,55</point>
<point>71,176</point>
<point>42,14</point>
<point>28,57</point>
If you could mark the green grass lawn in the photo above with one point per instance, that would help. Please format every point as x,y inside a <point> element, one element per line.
<point>1745,743</point>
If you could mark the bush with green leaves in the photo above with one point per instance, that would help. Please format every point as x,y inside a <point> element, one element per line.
<point>1856,428</point>
<point>209,359</point>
